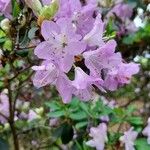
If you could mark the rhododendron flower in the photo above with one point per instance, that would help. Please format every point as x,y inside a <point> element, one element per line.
<point>32,115</point>
<point>75,32</point>
<point>121,10</point>
<point>64,88</point>
<point>46,74</point>
<point>62,43</point>
<point>99,135</point>
<point>81,16</point>
<point>94,37</point>
<point>68,7</point>
<point>83,19</point>
<point>121,75</point>
<point>5,7</point>
<point>83,84</point>
<point>146,131</point>
<point>128,139</point>
<point>104,118</point>
<point>124,12</point>
<point>102,58</point>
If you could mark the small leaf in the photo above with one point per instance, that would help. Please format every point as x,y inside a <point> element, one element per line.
<point>53,105</point>
<point>22,53</point>
<point>16,8</point>
<point>78,115</point>
<point>135,120</point>
<point>81,124</point>
<point>56,114</point>
<point>84,107</point>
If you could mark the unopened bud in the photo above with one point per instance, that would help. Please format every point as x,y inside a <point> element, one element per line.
<point>39,111</point>
<point>35,5</point>
<point>6,126</point>
<point>5,25</point>
<point>1,53</point>
<point>48,12</point>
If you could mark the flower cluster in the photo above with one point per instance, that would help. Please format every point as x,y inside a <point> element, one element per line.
<point>123,12</point>
<point>74,42</point>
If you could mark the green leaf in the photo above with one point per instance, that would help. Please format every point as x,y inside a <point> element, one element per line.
<point>2,40</point>
<point>84,107</point>
<point>8,45</point>
<point>135,120</point>
<point>3,144</point>
<point>23,53</point>
<point>81,124</point>
<point>78,115</point>
<point>2,34</point>
<point>75,102</point>
<point>16,8</point>
<point>53,105</point>
<point>129,40</point>
<point>56,114</point>
<point>141,144</point>
<point>119,111</point>
<point>58,132</point>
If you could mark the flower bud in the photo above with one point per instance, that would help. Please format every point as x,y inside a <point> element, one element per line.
<point>6,126</point>
<point>48,12</point>
<point>26,106</point>
<point>5,25</point>
<point>1,53</point>
<point>39,111</point>
<point>35,5</point>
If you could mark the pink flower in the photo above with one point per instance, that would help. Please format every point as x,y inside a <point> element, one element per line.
<point>83,84</point>
<point>121,10</point>
<point>121,75</point>
<point>46,74</point>
<point>61,45</point>
<point>32,115</point>
<point>128,139</point>
<point>5,7</point>
<point>46,2</point>
<point>146,131</point>
<point>94,37</point>
<point>104,58</point>
<point>4,107</point>
<point>99,135</point>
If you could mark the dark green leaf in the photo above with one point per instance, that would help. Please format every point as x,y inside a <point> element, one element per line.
<point>22,53</point>
<point>67,134</point>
